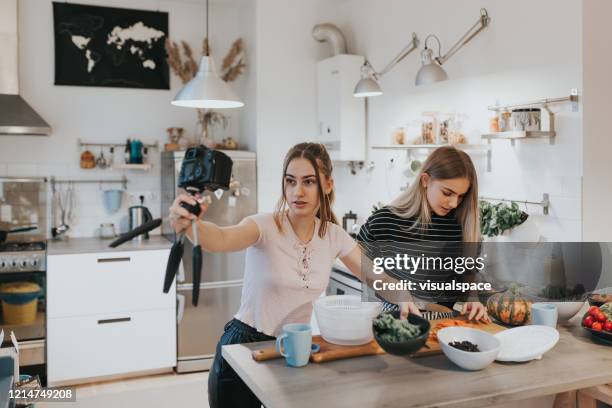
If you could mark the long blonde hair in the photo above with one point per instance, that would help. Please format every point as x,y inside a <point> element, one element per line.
<point>444,163</point>
<point>318,157</point>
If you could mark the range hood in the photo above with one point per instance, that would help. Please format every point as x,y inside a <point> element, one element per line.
<point>16,116</point>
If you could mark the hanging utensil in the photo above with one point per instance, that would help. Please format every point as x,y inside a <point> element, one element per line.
<point>101,160</point>
<point>71,203</point>
<point>63,228</point>
<point>4,233</point>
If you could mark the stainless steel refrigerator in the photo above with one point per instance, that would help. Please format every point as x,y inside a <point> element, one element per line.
<point>199,328</point>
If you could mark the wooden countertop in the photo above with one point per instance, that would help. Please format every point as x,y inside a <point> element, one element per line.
<point>96,245</point>
<point>390,381</point>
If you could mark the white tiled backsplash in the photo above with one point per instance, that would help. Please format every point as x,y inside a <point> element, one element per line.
<point>89,210</point>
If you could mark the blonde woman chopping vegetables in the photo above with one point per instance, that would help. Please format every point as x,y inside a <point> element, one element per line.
<point>441,206</point>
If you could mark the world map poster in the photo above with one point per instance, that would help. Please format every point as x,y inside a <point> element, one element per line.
<point>107,46</point>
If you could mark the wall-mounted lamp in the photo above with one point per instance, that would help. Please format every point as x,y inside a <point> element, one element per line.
<point>368,84</point>
<point>431,69</point>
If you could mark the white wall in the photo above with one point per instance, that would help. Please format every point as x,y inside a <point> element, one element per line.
<point>110,115</point>
<point>505,63</point>
<point>286,92</point>
<point>541,60</point>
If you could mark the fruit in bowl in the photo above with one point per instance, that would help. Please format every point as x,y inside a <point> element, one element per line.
<point>598,321</point>
<point>400,337</point>
<point>469,348</point>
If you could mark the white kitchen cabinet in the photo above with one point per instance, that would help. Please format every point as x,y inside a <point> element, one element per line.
<point>107,315</point>
<point>342,123</point>
<point>86,284</point>
<point>85,347</point>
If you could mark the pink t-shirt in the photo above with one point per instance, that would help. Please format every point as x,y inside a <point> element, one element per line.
<point>283,276</point>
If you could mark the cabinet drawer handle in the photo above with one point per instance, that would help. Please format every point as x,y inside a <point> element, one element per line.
<point>118,320</point>
<point>105,260</point>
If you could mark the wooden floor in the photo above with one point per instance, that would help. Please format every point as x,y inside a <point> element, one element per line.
<point>158,391</point>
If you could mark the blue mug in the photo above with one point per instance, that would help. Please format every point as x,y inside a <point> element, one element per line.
<point>295,344</point>
<point>544,314</point>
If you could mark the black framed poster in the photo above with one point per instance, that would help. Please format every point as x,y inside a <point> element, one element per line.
<point>108,46</point>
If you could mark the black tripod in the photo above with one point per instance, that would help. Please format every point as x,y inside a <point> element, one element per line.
<point>176,255</point>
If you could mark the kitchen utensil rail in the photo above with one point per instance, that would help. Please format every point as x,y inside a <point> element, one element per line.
<point>123,180</point>
<point>545,203</point>
<point>573,97</point>
<point>85,144</point>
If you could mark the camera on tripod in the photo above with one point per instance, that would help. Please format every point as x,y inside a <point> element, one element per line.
<point>202,169</point>
<point>205,169</point>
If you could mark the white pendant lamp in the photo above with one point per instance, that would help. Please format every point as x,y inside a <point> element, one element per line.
<point>206,90</point>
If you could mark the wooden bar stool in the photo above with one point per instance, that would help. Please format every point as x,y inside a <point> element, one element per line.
<point>588,397</point>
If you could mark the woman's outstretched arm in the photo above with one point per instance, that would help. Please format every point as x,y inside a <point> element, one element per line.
<point>211,237</point>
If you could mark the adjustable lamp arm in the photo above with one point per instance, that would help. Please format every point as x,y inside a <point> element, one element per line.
<point>412,46</point>
<point>481,24</point>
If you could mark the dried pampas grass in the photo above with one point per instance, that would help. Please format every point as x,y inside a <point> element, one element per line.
<point>181,60</point>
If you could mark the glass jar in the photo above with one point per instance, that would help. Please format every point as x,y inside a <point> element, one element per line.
<point>107,231</point>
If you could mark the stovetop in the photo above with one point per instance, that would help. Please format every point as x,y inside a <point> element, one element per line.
<point>23,256</point>
<point>22,246</point>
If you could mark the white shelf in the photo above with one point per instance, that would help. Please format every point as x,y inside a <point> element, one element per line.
<point>518,134</point>
<point>430,146</point>
<point>462,146</point>
<point>143,167</point>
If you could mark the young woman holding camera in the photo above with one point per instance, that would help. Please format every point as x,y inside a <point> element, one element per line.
<point>289,257</point>
<point>441,206</point>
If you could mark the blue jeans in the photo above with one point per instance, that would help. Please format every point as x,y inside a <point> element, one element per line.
<point>225,388</point>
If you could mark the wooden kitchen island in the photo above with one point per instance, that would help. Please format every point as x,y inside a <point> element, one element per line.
<point>389,381</point>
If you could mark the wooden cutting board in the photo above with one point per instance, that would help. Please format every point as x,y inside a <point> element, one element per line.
<point>328,352</point>
<point>331,352</point>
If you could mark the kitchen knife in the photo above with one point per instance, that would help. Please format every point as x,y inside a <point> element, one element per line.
<point>430,315</point>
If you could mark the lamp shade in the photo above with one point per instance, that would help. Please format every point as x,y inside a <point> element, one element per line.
<point>430,71</point>
<point>367,86</point>
<point>207,90</point>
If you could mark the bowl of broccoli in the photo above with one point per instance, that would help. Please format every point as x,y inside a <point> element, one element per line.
<point>400,337</point>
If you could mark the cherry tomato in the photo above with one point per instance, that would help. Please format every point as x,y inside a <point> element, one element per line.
<point>596,326</point>
<point>593,310</point>
<point>601,317</point>
<point>588,321</point>
<point>608,326</point>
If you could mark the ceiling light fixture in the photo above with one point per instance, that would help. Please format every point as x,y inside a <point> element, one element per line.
<point>206,89</point>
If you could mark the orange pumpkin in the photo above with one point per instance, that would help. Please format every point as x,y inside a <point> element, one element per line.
<point>509,308</point>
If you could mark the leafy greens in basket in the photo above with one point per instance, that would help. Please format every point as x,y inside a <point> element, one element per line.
<point>395,330</point>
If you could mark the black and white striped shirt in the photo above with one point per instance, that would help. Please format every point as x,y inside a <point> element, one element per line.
<point>386,234</point>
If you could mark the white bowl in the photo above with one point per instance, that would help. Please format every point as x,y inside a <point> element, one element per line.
<point>345,319</point>
<point>487,344</point>
<point>567,310</point>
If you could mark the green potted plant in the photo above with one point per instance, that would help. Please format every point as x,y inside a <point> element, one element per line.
<point>497,218</point>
